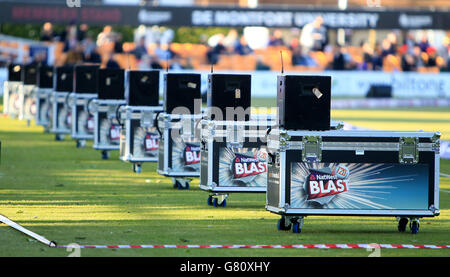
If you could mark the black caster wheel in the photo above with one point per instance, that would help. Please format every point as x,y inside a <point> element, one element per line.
<point>59,138</point>
<point>216,204</point>
<point>281,224</point>
<point>80,144</point>
<point>210,200</point>
<point>179,186</point>
<point>414,226</point>
<point>296,227</point>
<point>105,155</point>
<point>402,224</point>
<point>137,168</point>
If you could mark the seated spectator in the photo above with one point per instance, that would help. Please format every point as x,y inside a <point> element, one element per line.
<point>431,51</point>
<point>294,44</point>
<point>338,62</point>
<point>118,43</point>
<point>88,44</point>
<point>444,52</point>
<point>392,38</point>
<point>75,55</point>
<point>367,59</point>
<point>377,58</point>
<point>424,44</point>
<point>141,49</point>
<point>47,33</point>
<point>350,63</point>
<point>163,52</point>
<point>418,57</point>
<point>408,63</point>
<point>82,32</point>
<point>410,42</point>
<point>70,43</point>
<point>242,48</point>
<point>276,38</point>
<point>386,48</point>
<point>214,52</point>
<point>298,58</point>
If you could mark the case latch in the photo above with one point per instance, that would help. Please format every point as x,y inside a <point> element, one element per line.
<point>235,135</point>
<point>408,150</point>
<point>147,119</point>
<point>436,142</point>
<point>312,149</point>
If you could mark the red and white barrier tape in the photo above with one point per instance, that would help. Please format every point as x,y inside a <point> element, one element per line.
<point>291,246</point>
<point>43,240</point>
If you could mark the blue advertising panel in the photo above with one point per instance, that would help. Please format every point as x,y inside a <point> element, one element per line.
<point>359,186</point>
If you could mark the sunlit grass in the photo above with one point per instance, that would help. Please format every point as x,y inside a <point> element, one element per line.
<point>398,120</point>
<point>71,195</point>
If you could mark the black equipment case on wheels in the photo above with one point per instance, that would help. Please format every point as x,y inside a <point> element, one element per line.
<point>44,89</point>
<point>233,155</point>
<point>111,94</point>
<point>139,139</point>
<point>316,171</point>
<point>179,147</point>
<point>27,92</point>
<point>59,113</point>
<point>11,90</point>
<point>85,90</point>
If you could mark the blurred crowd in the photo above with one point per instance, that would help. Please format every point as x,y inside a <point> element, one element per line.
<point>152,49</point>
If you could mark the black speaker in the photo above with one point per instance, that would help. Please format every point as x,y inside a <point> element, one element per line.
<point>304,102</point>
<point>180,90</point>
<point>45,76</point>
<point>379,91</point>
<point>15,72</point>
<point>229,91</point>
<point>29,74</point>
<point>85,79</point>
<point>63,78</point>
<point>142,88</point>
<point>111,83</point>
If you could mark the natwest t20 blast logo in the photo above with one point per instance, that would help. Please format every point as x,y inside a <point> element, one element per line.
<point>321,184</point>
<point>114,133</point>
<point>151,142</point>
<point>191,154</point>
<point>245,166</point>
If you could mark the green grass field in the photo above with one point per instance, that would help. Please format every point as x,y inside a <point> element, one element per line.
<point>70,195</point>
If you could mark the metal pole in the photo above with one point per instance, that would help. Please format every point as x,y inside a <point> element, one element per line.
<point>16,226</point>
